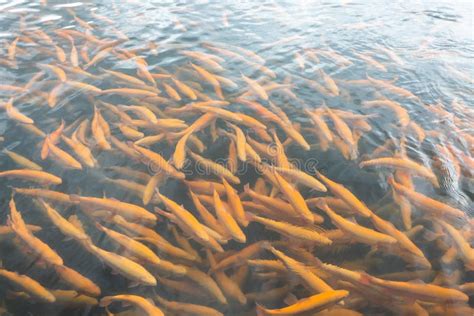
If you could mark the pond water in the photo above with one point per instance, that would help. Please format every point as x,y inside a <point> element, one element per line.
<point>320,149</point>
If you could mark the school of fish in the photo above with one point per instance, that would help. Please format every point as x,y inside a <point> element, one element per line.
<point>221,242</point>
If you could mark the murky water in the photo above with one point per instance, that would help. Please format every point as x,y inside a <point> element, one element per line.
<point>388,80</point>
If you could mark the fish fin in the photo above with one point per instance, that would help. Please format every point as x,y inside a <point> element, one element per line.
<point>187,237</point>
<point>159,211</point>
<point>352,220</point>
<point>40,263</point>
<point>311,191</point>
<point>105,302</point>
<point>74,197</point>
<point>260,310</point>
<point>141,238</point>
<point>469,266</point>
<point>123,252</point>
<point>134,284</point>
<point>99,213</point>
<point>266,245</point>
<point>108,312</point>
<point>249,216</point>
<point>9,147</point>
<point>373,251</point>
<point>99,227</point>
<point>274,192</point>
<point>365,278</point>
<point>431,236</point>
<point>290,299</point>
<point>416,281</point>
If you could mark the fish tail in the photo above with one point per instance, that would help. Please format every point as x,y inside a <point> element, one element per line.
<point>160,211</point>
<point>247,187</point>
<point>99,227</point>
<point>249,216</point>
<point>105,301</point>
<point>266,245</point>
<point>390,180</point>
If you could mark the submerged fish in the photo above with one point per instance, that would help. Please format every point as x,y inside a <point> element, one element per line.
<point>313,304</point>
<point>143,304</point>
<point>227,139</point>
<point>30,286</point>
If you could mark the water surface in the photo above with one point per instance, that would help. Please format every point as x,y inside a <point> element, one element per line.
<point>421,47</point>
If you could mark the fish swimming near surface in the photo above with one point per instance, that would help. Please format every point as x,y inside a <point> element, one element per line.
<point>158,171</point>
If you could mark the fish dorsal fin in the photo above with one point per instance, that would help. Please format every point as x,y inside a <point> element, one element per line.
<point>132,284</point>
<point>352,220</point>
